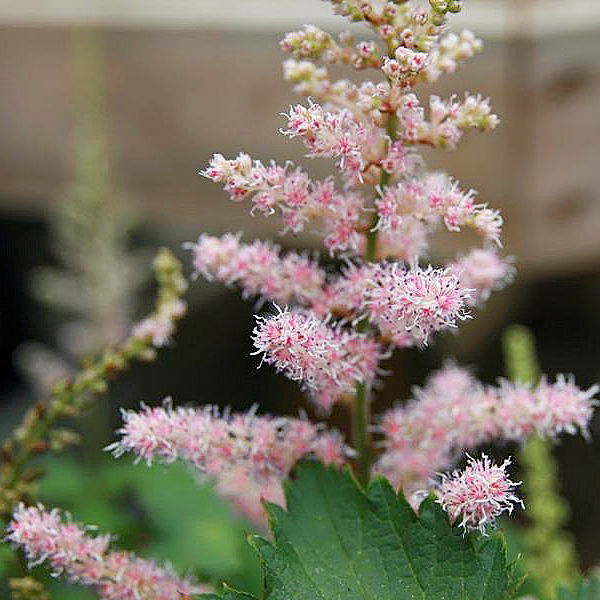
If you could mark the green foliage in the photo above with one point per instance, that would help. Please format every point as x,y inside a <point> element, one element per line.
<point>160,513</point>
<point>337,541</point>
<point>548,550</point>
<point>7,561</point>
<point>586,588</point>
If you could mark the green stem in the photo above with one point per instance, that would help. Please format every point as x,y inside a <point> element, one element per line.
<point>360,432</point>
<point>361,435</point>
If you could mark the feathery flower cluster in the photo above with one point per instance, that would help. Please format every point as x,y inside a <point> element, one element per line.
<point>214,442</point>
<point>258,268</point>
<point>479,494</point>
<point>334,134</point>
<point>549,409</point>
<point>454,412</point>
<point>329,362</point>
<point>238,450</point>
<point>82,558</point>
<point>314,43</point>
<point>298,198</point>
<point>379,220</point>
<point>483,271</point>
<point>447,119</point>
<point>373,131</point>
<point>432,199</point>
<point>409,305</point>
<point>452,50</point>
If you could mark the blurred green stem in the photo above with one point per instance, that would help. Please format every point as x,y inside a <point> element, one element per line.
<point>550,552</point>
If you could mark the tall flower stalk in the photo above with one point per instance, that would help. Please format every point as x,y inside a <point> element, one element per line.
<point>330,330</point>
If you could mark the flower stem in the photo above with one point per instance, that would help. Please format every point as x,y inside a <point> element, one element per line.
<point>360,432</point>
<point>361,436</point>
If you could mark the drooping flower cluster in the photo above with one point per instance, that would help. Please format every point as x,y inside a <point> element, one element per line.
<point>71,551</point>
<point>479,494</point>
<point>329,362</point>
<point>246,454</point>
<point>454,412</point>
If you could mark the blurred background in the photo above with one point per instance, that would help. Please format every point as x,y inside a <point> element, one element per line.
<point>107,111</point>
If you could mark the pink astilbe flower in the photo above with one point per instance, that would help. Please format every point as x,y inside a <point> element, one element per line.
<point>328,361</point>
<point>479,494</point>
<point>434,199</point>
<point>311,42</point>
<point>330,134</point>
<point>258,268</point>
<point>410,305</point>
<point>421,437</point>
<point>297,198</point>
<point>566,408</point>
<point>454,412</point>
<point>549,409</point>
<point>447,119</point>
<point>213,443</point>
<point>452,50</point>
<point>407,242</point>
<point>70,551</point>
<point>483,271</point>
<point>343,295</point>
<point>244,178</point>
<point>380,222</point>
<point>229,448</point>
<point>405,67</point>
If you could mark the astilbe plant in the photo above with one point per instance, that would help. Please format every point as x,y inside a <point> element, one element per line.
<point>330,331</point>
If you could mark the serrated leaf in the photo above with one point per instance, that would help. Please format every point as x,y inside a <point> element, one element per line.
<point>228,593</point>
<point>338,542</point>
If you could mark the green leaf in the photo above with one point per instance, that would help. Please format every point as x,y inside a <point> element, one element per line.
<point>338,542</point>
